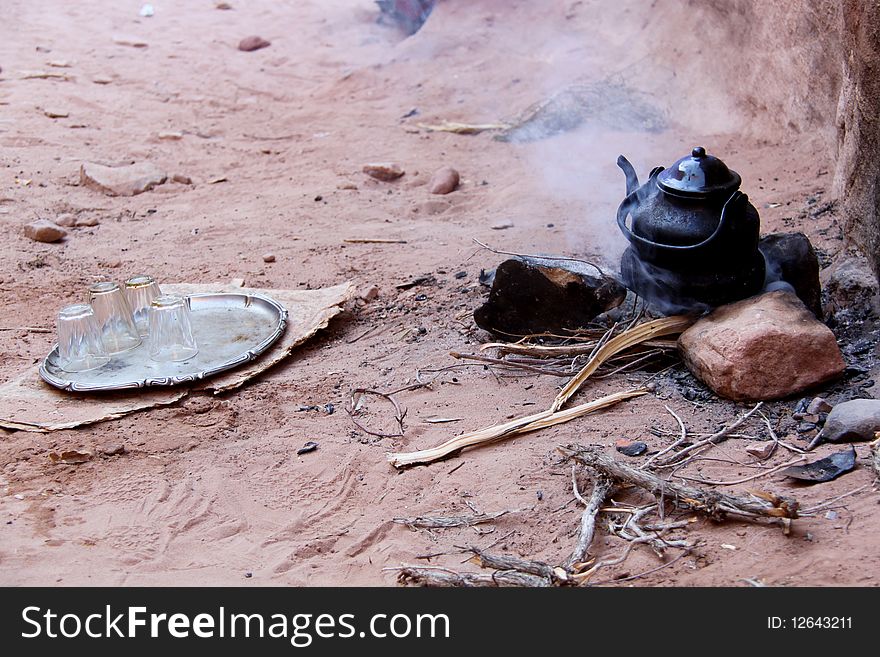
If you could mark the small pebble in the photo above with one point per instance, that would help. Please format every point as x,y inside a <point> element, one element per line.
<point>371,294</point>
<point>502,225</point>
<point>631,447</point>
<point>251,43</point>
<point>181,179</point>
<point>67,220</point>
<point>43,230</point>
<point>461,274</point>
<point>385,171</point>
<point>818,406</point>
<point>444,181</point>
<point>269,257</point>
<point>310,446</point>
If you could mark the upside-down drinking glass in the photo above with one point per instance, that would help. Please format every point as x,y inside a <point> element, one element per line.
<point>118,330</point>
<point>139,292</point>
<point>171,337</point>
<point>80,347</point>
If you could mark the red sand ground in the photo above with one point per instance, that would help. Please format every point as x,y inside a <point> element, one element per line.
<point>213,489</point>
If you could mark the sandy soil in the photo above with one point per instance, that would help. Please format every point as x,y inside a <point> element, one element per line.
<point>212,491</point>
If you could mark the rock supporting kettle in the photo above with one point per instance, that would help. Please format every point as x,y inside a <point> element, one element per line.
<point>693,235</point>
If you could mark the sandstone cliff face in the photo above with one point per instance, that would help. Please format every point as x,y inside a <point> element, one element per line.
<point>857,179</point>
<point>812,67</point>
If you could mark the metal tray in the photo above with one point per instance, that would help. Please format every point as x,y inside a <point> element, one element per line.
<point>230,329</point>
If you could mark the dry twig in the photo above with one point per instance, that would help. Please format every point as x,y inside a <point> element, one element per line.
<point>554,415</point>
<point>514,427</point>
<point>428,522</point>
<point>627,339</point>
<point>717,437</point>
<point>437,576</point>
<point>712,503</point>
<point>601,489</point>
<point>353,407</point>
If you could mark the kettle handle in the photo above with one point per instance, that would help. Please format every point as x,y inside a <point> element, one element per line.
<point>624,210</point>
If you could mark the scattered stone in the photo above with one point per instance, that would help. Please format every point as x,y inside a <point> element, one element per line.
<point>850,284</point>
<point>181,179</point>
<point>88,222</point>
<point>102,79</point>
<point>251,43</point>
<point>825,469</point>
<point>502,225</point>
<point>268,257</point>
<point>112,450</point>
<point>818,406</point>
<point>347,186</point>
<point>170,135</point>
<point>763,452</point>
<point>386,171</point>
<point>371,294</point>
<point>225,6</point>
<point>127,40</point>
<point>852,421</point>
<point>43,230</point>
<point>147,11</point>
<point>461,274</point>
<point>531,295</point>
<point>70,457</point>
<point>59,63</point>
<point>631,447</point>
<point>56,113</point>
<point>765,347</point>
<point>67,220</point>
<point>121,181</point>
<point>310,446</point>
<point>791,258</point>
<point>444,181</point>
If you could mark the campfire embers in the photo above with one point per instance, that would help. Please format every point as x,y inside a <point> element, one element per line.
<point>693,235</point>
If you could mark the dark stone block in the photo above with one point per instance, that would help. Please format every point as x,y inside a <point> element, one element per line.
<point>546,296</point>
<point>790,258</point>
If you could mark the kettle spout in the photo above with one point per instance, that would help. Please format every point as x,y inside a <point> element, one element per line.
<point>632,180</point>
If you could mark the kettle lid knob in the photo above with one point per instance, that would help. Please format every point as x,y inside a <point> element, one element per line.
<point>698,152</point>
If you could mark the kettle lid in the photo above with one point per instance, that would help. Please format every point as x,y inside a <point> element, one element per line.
<point>698,175</point>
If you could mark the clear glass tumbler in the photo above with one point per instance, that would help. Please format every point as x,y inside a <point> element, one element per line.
<point>139,292</point>
<point>80,347</point>
<point>171,337</point>
<point>118,330</point>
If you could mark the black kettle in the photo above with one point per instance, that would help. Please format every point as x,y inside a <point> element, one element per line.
<point>693,234</point>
